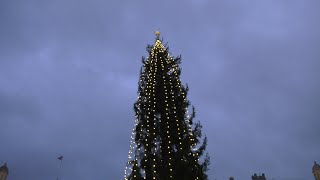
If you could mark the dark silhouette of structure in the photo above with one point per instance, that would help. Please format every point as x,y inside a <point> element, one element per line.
<point>316,171</point>
<point>4,172</point>
<point>256,177</point>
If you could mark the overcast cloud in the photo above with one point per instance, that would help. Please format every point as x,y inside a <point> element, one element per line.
<point>69,73</point>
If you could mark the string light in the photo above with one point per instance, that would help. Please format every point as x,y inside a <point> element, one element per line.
<point>148,75</point>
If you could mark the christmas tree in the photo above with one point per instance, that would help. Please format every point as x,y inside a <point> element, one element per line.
<point>165,142</point>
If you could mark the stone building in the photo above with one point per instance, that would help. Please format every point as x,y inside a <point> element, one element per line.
<point>256,177</point>
<point>316,171</point>
<point>4,172</point>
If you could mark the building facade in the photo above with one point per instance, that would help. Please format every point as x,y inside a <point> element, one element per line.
<point>4,172</point>
<point>256,177</point>
<point>316,171</point>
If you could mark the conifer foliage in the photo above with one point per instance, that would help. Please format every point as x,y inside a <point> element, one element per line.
<point>165,143</point>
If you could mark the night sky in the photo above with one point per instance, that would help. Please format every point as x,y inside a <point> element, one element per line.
<point>69,73</point>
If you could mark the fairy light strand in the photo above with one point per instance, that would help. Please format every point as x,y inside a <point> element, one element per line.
<point>149,74</point>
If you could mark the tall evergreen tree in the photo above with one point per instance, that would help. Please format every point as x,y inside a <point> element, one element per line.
<point>165,142</point>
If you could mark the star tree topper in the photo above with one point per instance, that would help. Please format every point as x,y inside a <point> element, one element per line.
<point>157,33</point>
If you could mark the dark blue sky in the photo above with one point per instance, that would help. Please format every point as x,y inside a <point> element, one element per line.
<point>69,71</point>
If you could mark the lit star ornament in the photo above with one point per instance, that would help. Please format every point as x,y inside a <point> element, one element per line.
<point>157,33</point>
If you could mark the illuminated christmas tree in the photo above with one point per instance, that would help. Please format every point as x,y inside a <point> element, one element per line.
<point>165,143</point>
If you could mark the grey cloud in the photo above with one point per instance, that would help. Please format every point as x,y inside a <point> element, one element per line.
<point>70,69</point>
